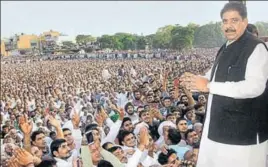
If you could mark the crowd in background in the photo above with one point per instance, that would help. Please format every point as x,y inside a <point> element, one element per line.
<point>82,111</point>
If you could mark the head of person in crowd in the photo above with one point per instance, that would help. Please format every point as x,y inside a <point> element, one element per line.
<point>176,111</point>
<point>198,127</point>
<point>104,163</point>
<point>184,100</point>
<point>202,99</point>
<point>170,158</point>
<point>59,149</point>
<point>119,153</point>
<point>174,136</point>
<point>129,108</point>
<point>181,124</point>
<point>107,145</point>
<point>145,116</point>
<point>234,20</point>
<point>53,135</point>
<point>167,102</point>
<point>171,117</point>
<point>127,139</point>
<point>127,124</point>
<point>68,136</point>
<point>192,138</point>
<point>38,139</point>
<point>36,152</point>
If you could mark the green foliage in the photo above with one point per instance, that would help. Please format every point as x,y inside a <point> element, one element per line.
<point>209,35</point>
<point>84,39</point>
<point>182,37</point>
<point>262,28</point>
<point>168,37</point>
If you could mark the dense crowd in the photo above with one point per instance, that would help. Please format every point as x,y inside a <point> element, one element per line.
<point>98,112</point>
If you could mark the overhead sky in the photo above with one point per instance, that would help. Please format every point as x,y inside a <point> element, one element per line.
<point>98,18</point>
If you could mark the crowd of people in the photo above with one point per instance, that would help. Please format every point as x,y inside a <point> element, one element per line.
<point>95,112</point>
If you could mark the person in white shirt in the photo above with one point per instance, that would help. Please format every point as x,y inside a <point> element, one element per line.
<point>61,153</point>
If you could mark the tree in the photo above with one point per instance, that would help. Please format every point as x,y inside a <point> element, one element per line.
<point>262,28</point>
<point>68,43</point>
<point>84,39</point>
<point>163,37</point>
<point>182,37</point>
<point>209,35</point>
<point>106,41</point>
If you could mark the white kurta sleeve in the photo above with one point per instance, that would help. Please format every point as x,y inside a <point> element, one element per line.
<point>255,78</point>
<point>113,132</point>
<point>133,161</point>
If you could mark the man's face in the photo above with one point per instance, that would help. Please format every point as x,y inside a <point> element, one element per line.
<point>129,140</point>
<point>36,152</point>
<point>173,160</point>
<point>182,126</point>
<point>145,117</point>
<point>137,95</point>
<point>5,130</point>
<point>233,25</point>
<point>202,99</point>
<point>9,149</point>
<point>167,103</point>
<point>128,126</point>
<point>130,110</point>
<point>177,114</point>
<point>68,137</point>
<point>192,138</point>
<point>63,151</point>
<point>198,131</point>
<point>172,94</point>
<point>13,133</point>
<point>150,99</point>
<point>172,118</point>
<point>53,136</point>
<point>182,106</point>
<point>40,141</point>
<point>184,99</point>
<point>119,153</point>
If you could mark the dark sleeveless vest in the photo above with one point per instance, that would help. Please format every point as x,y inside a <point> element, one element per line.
<point>237,121</point>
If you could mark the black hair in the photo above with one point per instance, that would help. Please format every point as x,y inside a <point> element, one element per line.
<point>235,6</point>
<point>141,112</point>
<point>113,149</point>
<point>252,29</point>
<point>47,163</point>
<point>55,145</point>
<point>163,158</point>
<point>174,136</point>
<point>125,119</point>
<point>91,127</point>
<point>180,119</point>
<point>122,135</point>
<point>188,131</point>
<point>52,133</point>
<point>104,146</point>
<point>182,97</point>
<point>104,163</point>
<point>4,126</point>
<point>65,129</point>
<point>169,114</point>
<point>127,105</point>
<point>35,133</point>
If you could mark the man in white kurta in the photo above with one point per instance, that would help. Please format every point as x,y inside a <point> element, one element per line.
<point>216,154</point>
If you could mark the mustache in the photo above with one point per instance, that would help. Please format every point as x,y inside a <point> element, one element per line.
<point>230,30</point>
